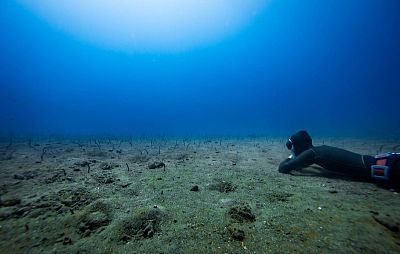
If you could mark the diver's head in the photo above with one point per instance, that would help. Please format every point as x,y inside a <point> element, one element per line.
<point>299,142</point>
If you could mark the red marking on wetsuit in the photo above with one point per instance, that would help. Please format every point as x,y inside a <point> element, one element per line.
<point>381,162</point>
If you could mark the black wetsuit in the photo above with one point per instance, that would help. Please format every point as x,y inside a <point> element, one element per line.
<point>331,158</point>
<point>385,168</point>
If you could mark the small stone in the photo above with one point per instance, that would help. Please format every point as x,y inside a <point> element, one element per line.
<point>238,234</point>
<point>10,202</point>
<point>124,185</point>
<point>67,240</point>
<point>156,165</point>
<point>19,177</point>
<point>241,214</point>
<point>195,188</point>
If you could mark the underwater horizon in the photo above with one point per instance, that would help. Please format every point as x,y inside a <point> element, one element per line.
<point>257,68</point>
<point>199,126</point>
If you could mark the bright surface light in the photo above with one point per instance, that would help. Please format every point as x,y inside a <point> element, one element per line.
<point>148,25</point>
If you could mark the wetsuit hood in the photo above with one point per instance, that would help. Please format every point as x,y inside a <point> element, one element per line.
<point>299,142</point>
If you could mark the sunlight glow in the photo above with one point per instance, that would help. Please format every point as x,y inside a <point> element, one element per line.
<point>148,25</point>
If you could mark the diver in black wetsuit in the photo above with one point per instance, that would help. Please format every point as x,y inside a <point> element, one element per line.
<point>383,168</point>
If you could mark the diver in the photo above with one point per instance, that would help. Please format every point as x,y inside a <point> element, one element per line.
<point>382,168</point>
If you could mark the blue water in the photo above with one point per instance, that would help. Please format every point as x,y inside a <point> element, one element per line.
<point>331,67</point>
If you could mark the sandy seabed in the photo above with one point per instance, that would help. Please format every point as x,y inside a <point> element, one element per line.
<point>187,196</point>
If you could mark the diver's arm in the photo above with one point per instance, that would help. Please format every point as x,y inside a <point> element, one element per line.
<point>283,166</point>
<point>306,158</point>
